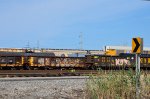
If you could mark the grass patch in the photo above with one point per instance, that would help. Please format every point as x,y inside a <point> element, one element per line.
<point>120,85</point>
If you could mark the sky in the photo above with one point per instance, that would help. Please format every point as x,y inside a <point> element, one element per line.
<point>64,24</point>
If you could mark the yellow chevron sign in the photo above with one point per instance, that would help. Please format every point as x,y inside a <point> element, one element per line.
<point>137,45</point>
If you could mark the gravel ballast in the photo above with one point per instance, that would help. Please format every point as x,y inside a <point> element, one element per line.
<point>43,89</point>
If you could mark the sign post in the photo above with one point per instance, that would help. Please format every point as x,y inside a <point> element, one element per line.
<point>137,48</point>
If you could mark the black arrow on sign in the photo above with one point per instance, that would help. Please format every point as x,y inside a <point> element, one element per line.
<point>137,45</point>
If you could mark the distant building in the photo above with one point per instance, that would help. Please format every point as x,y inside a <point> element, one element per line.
<point>57,52</point>
<point>116,50</point>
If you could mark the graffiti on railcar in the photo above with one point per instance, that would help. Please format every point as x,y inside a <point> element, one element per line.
<point>10,60</point>
<point>148,61</point>
<point>3,60</point>
<point>41,61</point>
<point>122,62</point>
<point>67,62</point>
<point>47,61</point>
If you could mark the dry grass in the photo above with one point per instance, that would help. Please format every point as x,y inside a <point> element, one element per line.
<point>120,85</point>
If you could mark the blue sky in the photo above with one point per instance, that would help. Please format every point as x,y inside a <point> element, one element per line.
<point>58,23</point>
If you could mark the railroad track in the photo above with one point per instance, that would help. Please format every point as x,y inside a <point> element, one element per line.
<point>53,73</point>
<point>45,73</point>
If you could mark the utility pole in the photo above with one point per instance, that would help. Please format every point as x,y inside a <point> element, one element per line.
<point>28,45</point>
<point>81,40</point>
<point>38,44</point>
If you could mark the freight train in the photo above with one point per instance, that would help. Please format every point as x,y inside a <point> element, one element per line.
<point>35,60</point>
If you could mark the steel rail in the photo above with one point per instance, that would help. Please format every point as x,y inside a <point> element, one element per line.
<point>33,73</point>
<point>50,73</point>
<point>43,78</point>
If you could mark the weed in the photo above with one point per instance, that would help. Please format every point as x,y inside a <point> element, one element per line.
<point>121,85</point>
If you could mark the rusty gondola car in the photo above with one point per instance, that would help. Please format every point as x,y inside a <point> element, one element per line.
<point>110,62</point>
<point>31,60</point>
<point>123,61</point>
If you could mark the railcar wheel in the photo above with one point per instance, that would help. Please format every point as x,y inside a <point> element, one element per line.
<point>26,66</point>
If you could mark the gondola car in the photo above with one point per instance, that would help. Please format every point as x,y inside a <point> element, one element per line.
<point>30,60</point>
<point>123,61</point>
<point>38,60</point>
<point>20,60</point>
